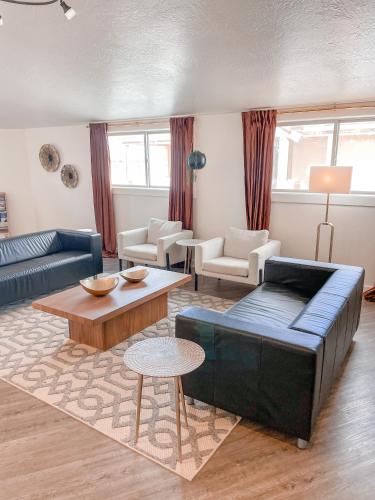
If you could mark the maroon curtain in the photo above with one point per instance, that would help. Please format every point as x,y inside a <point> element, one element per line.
<point>181,190</point>
<point>102,189</point>
<point>258,138</point>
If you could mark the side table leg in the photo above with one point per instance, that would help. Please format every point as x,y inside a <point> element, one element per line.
<point>186,259</point>
<point>178,421</point>
<point>183,400</point>
<point>139,404</point>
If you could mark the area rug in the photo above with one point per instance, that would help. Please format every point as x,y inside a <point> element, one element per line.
<point>96,388</point>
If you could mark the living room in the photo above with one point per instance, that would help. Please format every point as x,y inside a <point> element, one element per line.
<point>132,80</point>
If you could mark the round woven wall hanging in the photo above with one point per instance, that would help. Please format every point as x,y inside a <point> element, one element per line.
<point>49,157</point>
<point>69,176</point>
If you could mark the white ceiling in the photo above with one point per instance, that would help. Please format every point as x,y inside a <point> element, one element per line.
<point>138,58</point>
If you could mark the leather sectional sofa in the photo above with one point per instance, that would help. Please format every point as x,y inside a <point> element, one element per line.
<point>37,263</point>
<point>274,356</point>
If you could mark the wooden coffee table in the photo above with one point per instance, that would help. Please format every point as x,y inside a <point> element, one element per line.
<point>103,322</point>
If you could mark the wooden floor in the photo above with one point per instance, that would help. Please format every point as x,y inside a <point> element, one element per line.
<point>45,454</point>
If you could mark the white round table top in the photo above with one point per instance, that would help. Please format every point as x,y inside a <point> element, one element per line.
<point>189,243</point>
<point>164,357</point>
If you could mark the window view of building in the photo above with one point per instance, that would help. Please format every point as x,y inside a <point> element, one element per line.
<point>141,159</point>
<point>341,143</point>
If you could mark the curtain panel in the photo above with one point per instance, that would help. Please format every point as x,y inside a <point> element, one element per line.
<point>181,189</point>
<point>102,189</point>
<point>258,140</point>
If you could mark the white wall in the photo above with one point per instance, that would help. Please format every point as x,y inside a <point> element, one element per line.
<point>15,181</point>
<point>56,205</point>
<point>134,207</point>
<point>219,190</point>
<point>294,218</point>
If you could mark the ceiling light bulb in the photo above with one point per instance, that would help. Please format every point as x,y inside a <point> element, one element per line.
<point>68,11</point>
<point>1,20</point>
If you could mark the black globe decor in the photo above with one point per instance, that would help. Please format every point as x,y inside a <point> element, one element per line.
<point>196,160</point>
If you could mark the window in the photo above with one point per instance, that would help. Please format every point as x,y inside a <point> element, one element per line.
<point>341,142</point>
<point>141,159</point>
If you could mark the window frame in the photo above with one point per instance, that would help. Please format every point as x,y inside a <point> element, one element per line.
<point>335,142</point>
<point>145,134</point>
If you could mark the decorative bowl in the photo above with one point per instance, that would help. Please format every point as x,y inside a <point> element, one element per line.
<point>135,274</point>
<point>100,286</point>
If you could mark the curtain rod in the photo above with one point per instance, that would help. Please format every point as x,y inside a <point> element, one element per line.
<point>327,107</point>
<point>280,111</point>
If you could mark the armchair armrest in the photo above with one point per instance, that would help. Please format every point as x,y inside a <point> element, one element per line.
<point>132,237</point>
<point>258,257</point>
<point>166,242</point>
<point>210,249</point>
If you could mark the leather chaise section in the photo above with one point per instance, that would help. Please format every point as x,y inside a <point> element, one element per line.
<point>273,357</point>
<point>251,370</point>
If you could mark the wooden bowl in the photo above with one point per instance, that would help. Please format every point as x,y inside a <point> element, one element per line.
<point>135,274</point>
<point>100,286</point>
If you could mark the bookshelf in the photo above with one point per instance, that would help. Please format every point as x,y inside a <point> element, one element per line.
<point>4,229</point>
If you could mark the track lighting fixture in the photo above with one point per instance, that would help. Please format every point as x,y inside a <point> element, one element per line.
<point>69,12</point>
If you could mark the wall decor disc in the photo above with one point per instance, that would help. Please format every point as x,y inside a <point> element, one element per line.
<point>49,157</point>
<point>69,176</point>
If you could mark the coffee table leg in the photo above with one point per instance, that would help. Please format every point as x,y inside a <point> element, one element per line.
<point>139,404</point>
<point>178,420</point>
<point>183,400</point>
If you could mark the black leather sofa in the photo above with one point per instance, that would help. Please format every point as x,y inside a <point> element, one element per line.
<point>274,356</point>
<point>33,264</point>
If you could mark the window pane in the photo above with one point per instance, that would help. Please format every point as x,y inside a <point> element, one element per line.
<point>356,148</point>
<point>160,159</point>
<point>127,159</point>
<point>297,147</point>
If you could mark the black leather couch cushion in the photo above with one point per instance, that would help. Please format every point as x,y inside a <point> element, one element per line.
<point>29,246</point>
<point>303,275</point>
<point>270,304</point>
<point>40,264</point>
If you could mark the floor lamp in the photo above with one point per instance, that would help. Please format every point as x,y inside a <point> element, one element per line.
<point>329,180</point>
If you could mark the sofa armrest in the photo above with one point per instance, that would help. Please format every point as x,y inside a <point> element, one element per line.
<point>165,243</point>
<point>258,257</point>
<point>208,250</point>
<point>130,238</point>
<point>85,242</point>
<point>269,374</point>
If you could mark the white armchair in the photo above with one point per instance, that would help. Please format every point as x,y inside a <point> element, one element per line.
<point>154,245</point>
<point>240,256</point>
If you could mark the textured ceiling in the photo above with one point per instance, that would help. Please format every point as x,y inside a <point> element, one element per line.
<point>139,58</point>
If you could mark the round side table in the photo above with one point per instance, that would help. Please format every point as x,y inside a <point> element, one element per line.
<point>164,357</point>
<point>189,245</point>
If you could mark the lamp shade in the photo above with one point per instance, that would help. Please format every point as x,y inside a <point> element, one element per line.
<point>330,179</point>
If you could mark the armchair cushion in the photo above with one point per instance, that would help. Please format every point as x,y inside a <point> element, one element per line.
<point>146,251</point>
<point>240,242</point>
<point>227,265</point>
<point>158,228</point>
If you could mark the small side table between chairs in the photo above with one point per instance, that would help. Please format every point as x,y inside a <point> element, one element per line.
<point>164,357</point>
<point>190,245</point>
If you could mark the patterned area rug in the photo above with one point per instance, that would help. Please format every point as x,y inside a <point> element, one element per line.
<point>96,388</point>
